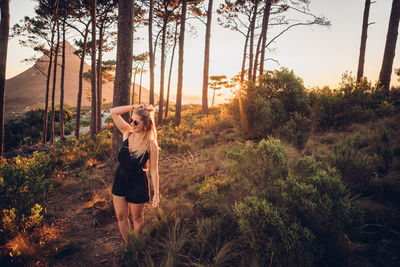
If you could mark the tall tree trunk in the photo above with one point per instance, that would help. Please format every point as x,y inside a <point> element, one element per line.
<point>170,70</point>
<point>244,57</point>
<point>4,33</point>
<point>161,101</point>
<point>53,111</point>
<point>93,120</point>
<point>61,111</point>
<point>123,74</point>
<point>180,65</point>
<point>100,78</point>
<point>204,102</point>
<point>390,47</point>
<point>151,54</point>
<point>360,69</point>
<point>252,26</point>
<point>140,95</point>
<point>261,39</point>
<point>212,103</point>
<point>140,83</point>
<point>266,19</point>
<point>133,87</point>
<point>46,101</point>
<point>79,101</point>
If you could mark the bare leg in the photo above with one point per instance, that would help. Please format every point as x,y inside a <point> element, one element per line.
<point>122,212</point>
<point>137,211</point>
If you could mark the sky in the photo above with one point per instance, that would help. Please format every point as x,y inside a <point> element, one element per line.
<point>319,55</point>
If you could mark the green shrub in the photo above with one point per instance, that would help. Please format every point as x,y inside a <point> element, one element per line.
<point>213,194</point>
<point>279,104</point>
<point>259,165</point>
<point>24,185</point>
<point>273,236</point>
<point>351,162</point>
<point>296,130</point>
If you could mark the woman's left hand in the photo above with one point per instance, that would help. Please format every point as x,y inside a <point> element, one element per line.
<point>156,200</point>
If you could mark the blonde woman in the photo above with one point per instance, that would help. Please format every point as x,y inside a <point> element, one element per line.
<point>131,186</point>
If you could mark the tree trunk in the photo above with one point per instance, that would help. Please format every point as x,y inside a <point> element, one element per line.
<point>151,55</point>
<point>170,70</point>
<point>244,57</point>
<point>93,120</point>
<point>140,83</point>
<point>46,101</point>
<point>61,111</point>
<point>4,33</point>
<point>266,19</point>
<point>360,69</point>
<point>252,26</point>
<point>180,65</point>
<point>53,112</point>
<point>133,87</point>
<point>79,101</point>
<point>261,40</point>
<point>123,74</point>
<point>140,95</point>
<point>100,78</point>
<point>212,103</point>
<point>204,102</point>
<point>162,69</point>
<point>390,47</point>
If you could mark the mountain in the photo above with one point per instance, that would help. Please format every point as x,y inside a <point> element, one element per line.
<point>27,90</point>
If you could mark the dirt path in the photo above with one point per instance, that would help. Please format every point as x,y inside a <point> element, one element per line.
<point>81,210</point>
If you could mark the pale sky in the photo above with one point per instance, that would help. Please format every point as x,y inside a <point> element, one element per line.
<point>319,55</point>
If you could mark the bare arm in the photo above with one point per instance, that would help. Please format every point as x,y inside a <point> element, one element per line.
<point>116,112</point>
<point>154,173</point>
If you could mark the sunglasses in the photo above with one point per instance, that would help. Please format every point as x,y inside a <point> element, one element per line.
<point>135,122</point>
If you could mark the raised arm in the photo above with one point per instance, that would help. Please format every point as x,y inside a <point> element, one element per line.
<point>116,112</point>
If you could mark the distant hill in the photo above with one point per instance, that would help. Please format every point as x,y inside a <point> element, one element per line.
<point>27,90</point>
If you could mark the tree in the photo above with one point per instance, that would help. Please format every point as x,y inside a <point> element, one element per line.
<point>170,68</point>
<point>53,112</point>
<point>151,54</point>
<point>390,47</point>
<point>142,70</point>
<point>106,17</point>
<point>165,13</point>
<point>4,33</point>
<point>93,119</point>
<point>243,16</point>
<point>178,107</point>
<point>360,69</point>
<point>123,73</point>
<point>216,83</point>
<point>138,66</point>
<point>204,102</point>
<point>61,112</point>
<point>81,14</point>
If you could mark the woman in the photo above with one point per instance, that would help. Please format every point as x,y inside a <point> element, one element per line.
<point>131,187</point>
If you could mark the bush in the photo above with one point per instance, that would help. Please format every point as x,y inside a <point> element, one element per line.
<point>273,236</point>
<point>24,185</point>
<point>297,216</point>
<point>259,165</point>
<point>279,104</point>
<point>213,194</point>
<point>296,130</point>
<point>27,128</point>
<point>351,162</point>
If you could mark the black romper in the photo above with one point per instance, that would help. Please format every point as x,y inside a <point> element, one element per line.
<point>130,179</point>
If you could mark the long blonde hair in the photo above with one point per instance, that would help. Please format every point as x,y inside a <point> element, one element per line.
<point>150,131</point>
